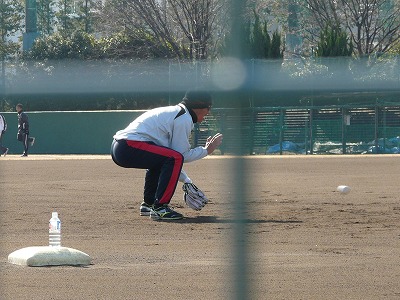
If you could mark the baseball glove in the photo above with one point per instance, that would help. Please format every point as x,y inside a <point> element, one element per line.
<point>194,197</point>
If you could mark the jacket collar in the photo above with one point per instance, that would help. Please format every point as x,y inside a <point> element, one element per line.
<point>191,112</point>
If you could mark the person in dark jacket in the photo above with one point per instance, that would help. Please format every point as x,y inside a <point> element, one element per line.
<point>23,130</point>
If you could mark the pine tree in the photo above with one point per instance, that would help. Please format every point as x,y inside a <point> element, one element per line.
<point>257,39</point>
<point>257,42</point>
<point>262,45</point>
<point>275,50</point>
<point>267,41</point>
<point>334,42</point>
<point>11,15</point>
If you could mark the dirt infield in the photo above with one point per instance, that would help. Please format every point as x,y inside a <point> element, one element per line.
<point>304,239</point>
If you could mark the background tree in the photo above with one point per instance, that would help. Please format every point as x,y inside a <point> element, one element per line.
<point>86,11</point>
<point>245,41</point>
<point>69,15</point>
<point>179,28</point>
<point>373,25</point>
<point>395,49</point>
<point>260,39</point>
<point>11,16</point>
<point>333,42</point>
<point>293,39</point>
<point>77,15</point>
<point>46,16</point>
<point>257,40</point>
<point>62,45</point>
<point>84,46</point>
<point>276,50</point>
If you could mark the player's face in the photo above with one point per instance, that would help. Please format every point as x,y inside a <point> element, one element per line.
<point>201,113</point>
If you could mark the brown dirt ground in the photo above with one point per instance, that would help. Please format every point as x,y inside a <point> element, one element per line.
<point>303,239</point>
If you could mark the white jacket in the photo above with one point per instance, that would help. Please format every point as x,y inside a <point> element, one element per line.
<point>3,124</point>
<point>170,127</point>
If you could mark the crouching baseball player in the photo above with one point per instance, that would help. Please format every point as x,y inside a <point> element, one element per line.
<point>158,141</point>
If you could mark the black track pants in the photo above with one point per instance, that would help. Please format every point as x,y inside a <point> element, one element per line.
<point>163,166</point>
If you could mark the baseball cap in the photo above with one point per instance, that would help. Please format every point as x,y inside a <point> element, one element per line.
<point>197,99</point>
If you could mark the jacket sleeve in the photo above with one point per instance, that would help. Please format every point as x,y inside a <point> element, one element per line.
<point>25,122</point>
<point>180,141</point>
<point>3,123</point>
<point>184,178</point>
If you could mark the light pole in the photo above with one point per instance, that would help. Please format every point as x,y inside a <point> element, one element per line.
<point>31,32</point>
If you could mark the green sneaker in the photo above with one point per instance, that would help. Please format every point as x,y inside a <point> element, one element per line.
<point>164,212</point>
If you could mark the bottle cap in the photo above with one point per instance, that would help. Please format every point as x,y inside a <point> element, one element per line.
<point>54,214</point>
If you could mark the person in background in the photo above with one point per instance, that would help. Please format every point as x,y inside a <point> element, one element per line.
<point>3,129</point>
<point>23,130</point>
<point>158,141</point>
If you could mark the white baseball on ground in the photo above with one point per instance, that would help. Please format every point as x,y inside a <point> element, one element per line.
<point>343,189</point>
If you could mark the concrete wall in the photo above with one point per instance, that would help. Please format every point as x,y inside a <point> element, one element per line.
<point>68,132</point>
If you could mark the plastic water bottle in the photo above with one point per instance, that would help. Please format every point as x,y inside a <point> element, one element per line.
<point>54,230</point>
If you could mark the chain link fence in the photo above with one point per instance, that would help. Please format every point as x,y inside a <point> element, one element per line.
<point>342,129</point>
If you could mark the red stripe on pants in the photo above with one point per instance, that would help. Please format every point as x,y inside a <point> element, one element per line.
<point>169,153</point>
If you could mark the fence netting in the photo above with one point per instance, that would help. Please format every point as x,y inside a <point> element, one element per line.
<point>343,129</point>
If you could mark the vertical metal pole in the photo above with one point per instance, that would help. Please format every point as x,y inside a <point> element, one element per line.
<point>30,24</point>
<point>384,108</point>
<point>65,15</point>
<point>253,77</point>
<point>311,131</point>
<point>87,16</point>
<point>169,83</point>
<point>196,72</point>
<point>253,114</point>
<point>240,281</point>
<point>3,64</point>
<point>281,128</point>
<point>3,77</point>
<point>31,16</point>
<point>376,129</point>
<point>344,112</point>
<point>306,132</point>
<point>222,125</point>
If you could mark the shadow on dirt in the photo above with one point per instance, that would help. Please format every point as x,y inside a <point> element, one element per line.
<point>213,219</point>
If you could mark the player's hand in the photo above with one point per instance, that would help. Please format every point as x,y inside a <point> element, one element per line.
<point>213,142</point>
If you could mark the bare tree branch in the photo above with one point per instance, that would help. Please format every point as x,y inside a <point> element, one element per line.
<point>186,27</point>
<point>374,25</point>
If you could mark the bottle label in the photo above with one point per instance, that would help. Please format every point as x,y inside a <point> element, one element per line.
<point>55,226</point>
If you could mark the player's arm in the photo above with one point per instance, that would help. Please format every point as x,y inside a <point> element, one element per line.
<point>25,122</point>
<point>184,178</point>
<point>180,141</point>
